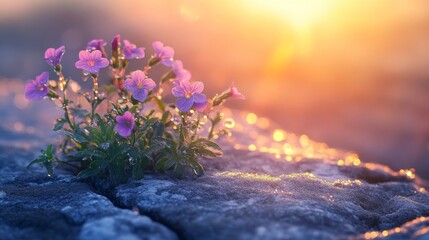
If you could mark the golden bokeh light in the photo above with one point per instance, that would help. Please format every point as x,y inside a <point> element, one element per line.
<point>251,118</point>
<point>279,135</point>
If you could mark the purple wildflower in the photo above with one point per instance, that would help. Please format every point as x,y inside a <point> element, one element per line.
<point>235,93</point>
<point>97,44</point>
<point>53,56</point>
<point>37,88</point>
<point>201,107</point>
<point>125,124</point>
<point>132,51</point>
<point>180,72</point>
<point>164,54</point>
<point>189,95</point>
<point>91,61</point>
<point>139,85</point>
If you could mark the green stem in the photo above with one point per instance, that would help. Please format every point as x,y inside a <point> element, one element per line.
<point>62,84</point>
<point>95,92</point>
<point>210,136</point>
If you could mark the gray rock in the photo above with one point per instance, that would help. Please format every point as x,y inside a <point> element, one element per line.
<point>35,206</point>
<point>250,195</point>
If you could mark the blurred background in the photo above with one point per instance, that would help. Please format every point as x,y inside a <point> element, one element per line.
<point>351,73</point>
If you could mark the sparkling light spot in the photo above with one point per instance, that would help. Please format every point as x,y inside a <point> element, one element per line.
<point>279,135</point>
<point>304,140</point>
<point>288,149</point>
<point>229,123</point>
<point>252,147</point>
<point>251,118</point>
<point>356,162</point>
<point>340,162</point>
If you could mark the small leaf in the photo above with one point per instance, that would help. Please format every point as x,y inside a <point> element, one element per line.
<point>89,172</point>
<point>60,123</point>
<point>78,137</point>
<point>117,174</point>
<point>79,112</point>
<point>158,129</point>
<point>196,167</point>
<point>48,166</point>
<point>159,165</point>
<point>137,172</point>
<point>118,109</point>
<point>169,163</point>
<point>39,159</point>
<point>179,169</point>
<point>165,116</point>
<point>208,153</point>
<point>160,104</point>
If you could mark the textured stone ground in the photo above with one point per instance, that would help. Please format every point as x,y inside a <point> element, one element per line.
<point>269,184</point>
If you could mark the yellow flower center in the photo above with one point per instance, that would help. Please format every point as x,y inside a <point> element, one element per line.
<point>139,84</point>
<point>91,63</point>
<point>188,95</point>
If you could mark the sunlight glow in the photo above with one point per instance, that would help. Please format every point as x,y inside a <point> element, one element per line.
<point>298,13</point>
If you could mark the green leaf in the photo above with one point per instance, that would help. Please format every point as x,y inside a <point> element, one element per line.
<point>208,153</point>
<point>39,159</point>
<point>165,116</point>
<point>179,169</point>
<point>196,167</point>
<point>48,152</point>
<point>95,134</point>
<point>89,172</point>
<point>118,109</point>
<point>117,174</point>
<point>137,171</point>
<point>159,165</point>
<point>169,163</point>
<point>134,108</point>
<point>48,166</point>
<point>204,142</point>
<point>158,129</point>
<point>79,112</point>
<point>160,104</point>
<point>60,123</point>
<point>76,136</point>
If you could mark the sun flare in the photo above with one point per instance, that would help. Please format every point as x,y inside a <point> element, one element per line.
<point>299,14</point>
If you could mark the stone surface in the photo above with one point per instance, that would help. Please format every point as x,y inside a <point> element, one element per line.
<point>35,206</point>
<point>251,195</point>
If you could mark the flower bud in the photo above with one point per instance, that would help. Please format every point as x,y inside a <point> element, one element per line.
<point>116,45</point>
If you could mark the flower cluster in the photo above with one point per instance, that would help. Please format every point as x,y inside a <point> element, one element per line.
<point>138,131</point>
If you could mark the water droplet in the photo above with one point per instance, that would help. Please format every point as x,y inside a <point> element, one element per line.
<point>105,145</point>
<point>132,160</point>
<point>176,120</point>
<point>85,73</point>
<point>86,131</point>
<point>84,158</point>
